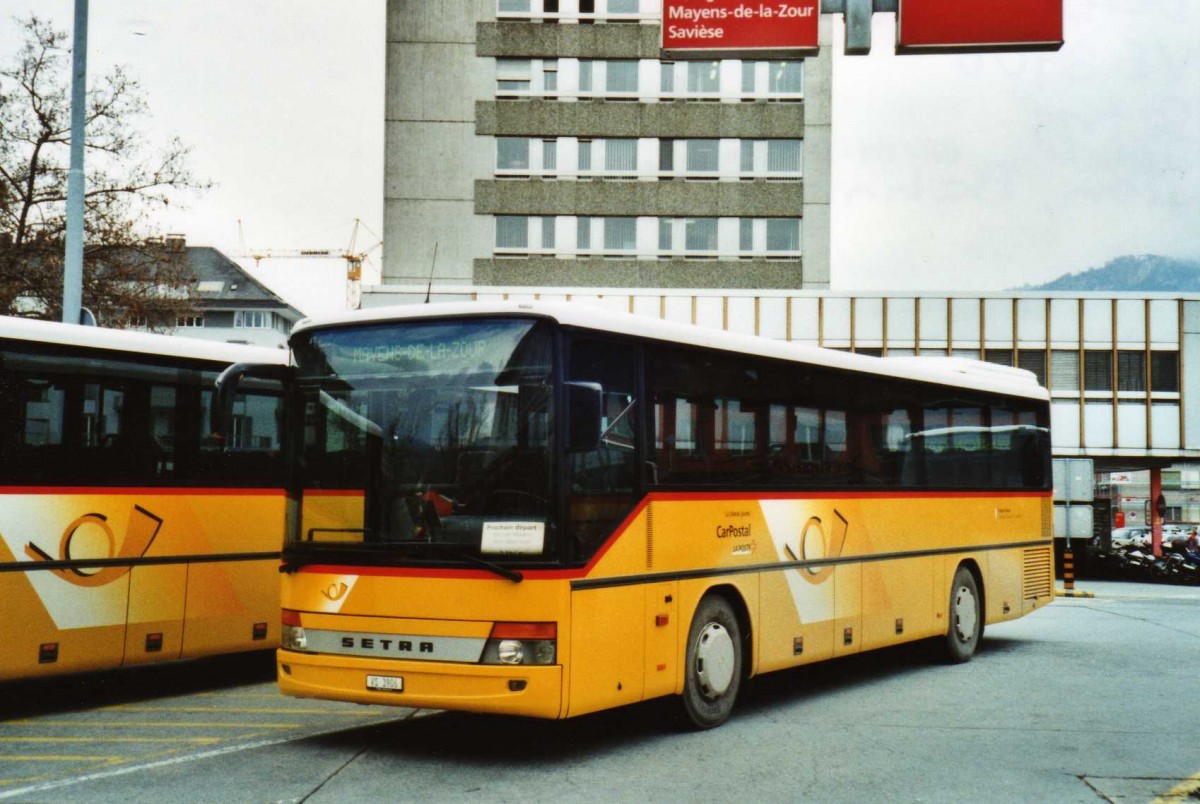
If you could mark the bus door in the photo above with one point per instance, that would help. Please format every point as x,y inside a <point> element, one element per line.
<point>140,454</point>
<point>232,600</point>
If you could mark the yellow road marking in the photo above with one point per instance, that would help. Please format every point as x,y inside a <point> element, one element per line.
<point>242,710</point>
<point>191,740</point>
<point>1181,792</point>
<point>151,725</point>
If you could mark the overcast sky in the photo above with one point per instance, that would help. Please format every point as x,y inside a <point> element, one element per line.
<point>964,172</point>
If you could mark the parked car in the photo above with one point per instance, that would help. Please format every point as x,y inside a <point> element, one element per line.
<point>1134,536</point>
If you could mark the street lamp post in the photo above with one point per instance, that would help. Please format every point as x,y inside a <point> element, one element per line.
<point>73,259</point>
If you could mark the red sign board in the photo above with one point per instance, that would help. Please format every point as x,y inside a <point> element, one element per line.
<point>699,27</point>
<point>979,24</point>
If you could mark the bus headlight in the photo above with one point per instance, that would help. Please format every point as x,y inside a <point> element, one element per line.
<point>291,634</point>
<point>521,643</point>
<point>511,651</point>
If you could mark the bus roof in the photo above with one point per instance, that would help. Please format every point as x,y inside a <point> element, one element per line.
<point>28,329</point>
<point>953,371</point>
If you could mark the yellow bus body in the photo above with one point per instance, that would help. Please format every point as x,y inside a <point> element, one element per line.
<point>812,576</point>
<point>96,579</point>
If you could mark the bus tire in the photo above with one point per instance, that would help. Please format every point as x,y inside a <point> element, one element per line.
<point>966,617</point>
<point>713,666</point>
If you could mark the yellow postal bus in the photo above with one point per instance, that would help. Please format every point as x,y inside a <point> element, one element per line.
<point>128,534</point>
<point>550,510</point>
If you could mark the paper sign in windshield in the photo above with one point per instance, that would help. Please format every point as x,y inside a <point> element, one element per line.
<point>513,538</point>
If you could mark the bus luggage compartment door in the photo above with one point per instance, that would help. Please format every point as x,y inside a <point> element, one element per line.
<point>607,647</point>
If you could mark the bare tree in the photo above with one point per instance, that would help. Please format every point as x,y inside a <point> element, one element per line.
<point>128,276</point>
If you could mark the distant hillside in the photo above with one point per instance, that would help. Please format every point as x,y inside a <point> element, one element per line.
<point>1148,272</point>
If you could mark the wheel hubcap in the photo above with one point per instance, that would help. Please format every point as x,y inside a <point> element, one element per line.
<point>966,615</point>
<point>714,660</point>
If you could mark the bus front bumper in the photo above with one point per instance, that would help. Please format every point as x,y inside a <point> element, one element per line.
<point>529,690</point>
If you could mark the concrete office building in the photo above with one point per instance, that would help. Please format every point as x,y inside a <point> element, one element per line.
<point>545,143</point>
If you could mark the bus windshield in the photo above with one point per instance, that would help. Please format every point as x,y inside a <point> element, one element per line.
<point>425,442</point>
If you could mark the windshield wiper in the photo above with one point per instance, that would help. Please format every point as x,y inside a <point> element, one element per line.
<point>291,562</point>
<point>447,549</point>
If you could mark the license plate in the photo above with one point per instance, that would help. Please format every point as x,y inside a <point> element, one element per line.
<point>387,683</point>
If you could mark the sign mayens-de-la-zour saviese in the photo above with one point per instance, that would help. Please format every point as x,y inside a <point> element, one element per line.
<point>707,27</point>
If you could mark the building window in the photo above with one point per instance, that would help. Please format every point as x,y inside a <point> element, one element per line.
<point>189,321</point>
<point>1164,372</point>
<point>585,156</point>
<point>771,159</point>
<point>524,156</point>
<point>1033,360</point>
<point>702,156</point>
<point>586,12</point>
<point>704,77</point>
<point>783,235</point>
<point>620,234</point>
<point>666,84</point>
<point>513,77</point>
<point>1064,370</point>
<point>526,9</point>
<point>769,237</point>
<point>252,319</point>
<point>618,8</point>
<point>785,78</point>
<point>783,157</point>
<point>617,236</point>
<point>772,80</point>
<point>621,77</point>
<point>698,158</point>
<point>583,233</point>
<point>749,77</point>
<point>585,75</point>
<point>1001,357</point>
<point>550,76</point>
<point>687,237</point>
<point>1131,371</point>
<point>512,153</point>
<point>620,156</point>
<point>512,232</point>
<point>1097,370</point>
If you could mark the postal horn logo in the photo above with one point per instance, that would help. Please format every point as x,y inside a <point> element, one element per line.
<point>818,550</point>
<point>335,591</point>
<point>113,561</point>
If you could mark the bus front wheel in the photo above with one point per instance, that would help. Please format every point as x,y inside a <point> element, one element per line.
<point>713,669</point>
<point>966,617</point>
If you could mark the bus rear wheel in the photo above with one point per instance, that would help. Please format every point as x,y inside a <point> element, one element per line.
<point>966,617</point>
<point>713,669</point>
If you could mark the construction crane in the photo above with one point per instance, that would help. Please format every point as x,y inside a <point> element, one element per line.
<point>353,257</point>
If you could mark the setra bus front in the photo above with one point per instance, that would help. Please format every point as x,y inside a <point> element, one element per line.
<point>423,565</point>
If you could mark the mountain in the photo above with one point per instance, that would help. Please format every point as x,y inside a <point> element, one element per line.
<point>1147,272</point>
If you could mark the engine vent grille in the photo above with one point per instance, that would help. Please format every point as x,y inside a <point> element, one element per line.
<point>1038,576</point>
